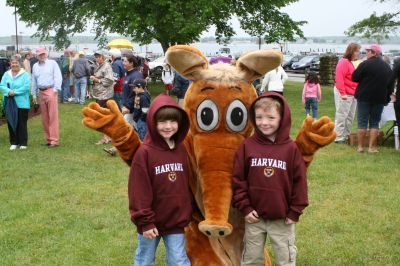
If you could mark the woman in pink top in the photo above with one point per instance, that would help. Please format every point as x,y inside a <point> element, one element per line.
<point>311,94</point>
<point>345,102</point>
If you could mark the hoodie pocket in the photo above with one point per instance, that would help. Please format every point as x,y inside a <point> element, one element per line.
<point>269,203</point>
<point>172,211</point>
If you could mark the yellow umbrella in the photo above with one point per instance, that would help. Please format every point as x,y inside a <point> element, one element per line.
<point>120,43</point>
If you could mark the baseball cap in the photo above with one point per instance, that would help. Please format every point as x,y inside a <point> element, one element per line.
<point>41,50</point>
<point>139,83</point>
<point>374,47</point>
<point>81,53</point>
<point>99,52</point>
<point>115,52</point>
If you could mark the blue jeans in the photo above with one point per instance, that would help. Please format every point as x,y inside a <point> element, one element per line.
<point>174,245</point>
<point>80,89</point>
<point>368,113</point>
<point>312,104</point>
<point>141,128</point>
<point>65,94</point>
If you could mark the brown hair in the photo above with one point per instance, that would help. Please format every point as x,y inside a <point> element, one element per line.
<point>168,113</point>
<point>350,50</point>
<point>267,103</point>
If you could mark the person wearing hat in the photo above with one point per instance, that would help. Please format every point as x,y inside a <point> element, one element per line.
<point>141,104</point>
<point>131,65</point>
<point>103,88</point>
<point>81,72</point>
<point>375,83</point>
<point>46,83</point>
<point>119,73</point>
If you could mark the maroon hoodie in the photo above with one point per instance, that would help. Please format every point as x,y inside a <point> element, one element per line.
<point>270,176</point>
<point>158,186</point>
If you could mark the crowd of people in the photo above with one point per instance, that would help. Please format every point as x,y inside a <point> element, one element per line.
<point>163,124</point>
<point>366,86</point>
<point>73,79</point>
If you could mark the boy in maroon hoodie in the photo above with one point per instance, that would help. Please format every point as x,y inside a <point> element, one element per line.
<point>160,201</point>
<point>270,185</point>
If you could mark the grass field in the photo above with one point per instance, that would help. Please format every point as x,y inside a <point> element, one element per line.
<point>68,205</point>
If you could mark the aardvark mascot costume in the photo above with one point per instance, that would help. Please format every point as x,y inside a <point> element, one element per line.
<point>216,102</point>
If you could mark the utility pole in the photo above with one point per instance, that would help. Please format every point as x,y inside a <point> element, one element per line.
<point>16,28</point>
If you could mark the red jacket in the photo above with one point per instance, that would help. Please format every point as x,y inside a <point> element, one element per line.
<point>158,186</point>
<point>343,80</point>
<point>270,177</point>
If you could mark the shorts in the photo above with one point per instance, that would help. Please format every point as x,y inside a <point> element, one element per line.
<point>368,113</point>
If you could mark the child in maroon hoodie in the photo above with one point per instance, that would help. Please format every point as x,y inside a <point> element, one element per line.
<point>160,201</point>
<point>270,185</point>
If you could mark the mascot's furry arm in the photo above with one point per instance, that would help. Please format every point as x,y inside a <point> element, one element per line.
<point>111,122</point>
<point>314,135</point>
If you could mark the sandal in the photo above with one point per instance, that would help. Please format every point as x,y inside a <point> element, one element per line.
<point>360,150</point>
<point>112,151</point>
<point>373,151</point>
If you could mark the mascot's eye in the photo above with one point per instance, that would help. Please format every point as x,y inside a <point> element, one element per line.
<point>236,116</point>
<point>207,115</point>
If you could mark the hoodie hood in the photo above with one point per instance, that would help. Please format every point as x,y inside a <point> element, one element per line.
<point>152,137</point>
<point>282,135</point>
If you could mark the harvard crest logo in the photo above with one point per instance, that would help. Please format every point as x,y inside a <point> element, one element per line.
<point>269,171</point>
<point>172,176</point>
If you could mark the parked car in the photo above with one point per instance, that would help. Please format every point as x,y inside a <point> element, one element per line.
<point>288,64</point>
<point>305,63</point>
<point>286,59</point>
<point>157,64</point>
<point>315,66</point>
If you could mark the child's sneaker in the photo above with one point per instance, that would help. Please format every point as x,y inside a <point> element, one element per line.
<point>13,147</point>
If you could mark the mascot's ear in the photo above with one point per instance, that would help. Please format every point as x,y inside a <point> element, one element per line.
<point>256,63</point>
<point>188,61</point>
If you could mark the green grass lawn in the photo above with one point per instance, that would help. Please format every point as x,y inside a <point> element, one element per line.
<point>68,205</point>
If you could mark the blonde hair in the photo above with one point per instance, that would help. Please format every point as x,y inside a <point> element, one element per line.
<point>268,103</point>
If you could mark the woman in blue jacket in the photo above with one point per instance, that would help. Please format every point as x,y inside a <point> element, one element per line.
<point>16,83</point>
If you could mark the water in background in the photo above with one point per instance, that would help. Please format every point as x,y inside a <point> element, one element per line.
<point>236,47</point>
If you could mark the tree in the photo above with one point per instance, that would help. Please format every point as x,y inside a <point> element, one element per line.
<point>267,21</point>
<point>377,27</point>
<point>167,21</point>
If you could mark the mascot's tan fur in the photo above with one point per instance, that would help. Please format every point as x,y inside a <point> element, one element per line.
<point>216,102</point>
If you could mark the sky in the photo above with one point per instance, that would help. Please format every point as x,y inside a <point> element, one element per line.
<point>325,17</point>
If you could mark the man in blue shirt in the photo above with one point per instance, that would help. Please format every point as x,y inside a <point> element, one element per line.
<point>46,82</point>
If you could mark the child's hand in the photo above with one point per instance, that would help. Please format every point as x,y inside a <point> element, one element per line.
<point>252,217</point>
<point>151,234</point>
<point>289,221</point>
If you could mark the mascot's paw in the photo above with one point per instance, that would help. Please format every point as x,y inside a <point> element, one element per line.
<point>215,229</point>
<point>106,120</point>
<point>322,131</point>
<point>315,134</point>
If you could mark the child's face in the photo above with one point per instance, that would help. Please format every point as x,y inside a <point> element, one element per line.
<point>167,128</point>
<point>268,121</point>
<point>137,89</point>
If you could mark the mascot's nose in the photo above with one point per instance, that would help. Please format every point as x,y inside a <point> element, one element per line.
<point>215,230</point>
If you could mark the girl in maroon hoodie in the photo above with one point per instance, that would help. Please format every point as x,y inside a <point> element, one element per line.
<point>160,201</point>
<point>270,186</point>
